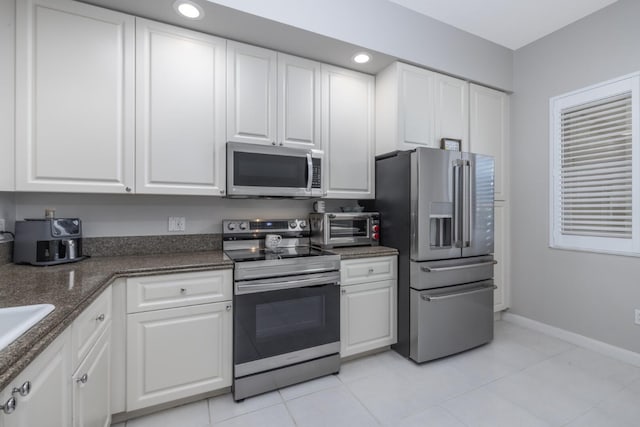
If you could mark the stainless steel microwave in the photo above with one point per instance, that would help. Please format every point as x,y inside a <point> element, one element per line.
<point>331,230</point>
<point>265,171</point>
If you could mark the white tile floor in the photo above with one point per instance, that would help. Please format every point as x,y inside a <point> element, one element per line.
<point>523,378</point>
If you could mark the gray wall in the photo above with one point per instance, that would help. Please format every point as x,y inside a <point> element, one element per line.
<point>393,30</point>
<point>589,294</point>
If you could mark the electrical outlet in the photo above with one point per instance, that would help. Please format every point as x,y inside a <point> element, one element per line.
<point>177,223</point>
<point>637,316</point>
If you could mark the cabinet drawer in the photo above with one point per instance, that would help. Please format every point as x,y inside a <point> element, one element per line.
<point>367,270</point>
<point>178,290</point>
<point>88,326</point>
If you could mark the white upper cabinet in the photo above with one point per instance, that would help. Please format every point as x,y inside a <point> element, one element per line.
<point>180,111</point>
<point>451,118</point>
<point>489,131</point>
<point>347,133</point>
<point>74,98</point>
<point>417,108</point>
<point>7,101</point>
<point>251,94</point>
<point>272,98</point>
<point>298,102</point>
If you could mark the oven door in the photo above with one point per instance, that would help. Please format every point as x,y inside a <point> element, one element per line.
<point>283,321</point>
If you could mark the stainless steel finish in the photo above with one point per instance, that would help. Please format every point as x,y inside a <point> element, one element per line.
<point>457,208</point>
<point>427,269</point>
<point>285,267</point>
<point>251,191</point>
<point>466,205</point>
<point>9,406</point>
<point>83,379</point>
<point>278,378</point>
<point>100,318</point>
<point>309,172</point>
<point>481,217</point>
<point>467,312</point>
<point>288,282</point>
<point>448,272</point>
<point>274,362</point>
<point>427,297</point>
<point>23,390</point>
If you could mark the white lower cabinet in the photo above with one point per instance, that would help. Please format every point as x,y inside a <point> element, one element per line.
<point>48,402</point>
<point>91,386</point>
<point>367,307</point>
<point>176,353</point>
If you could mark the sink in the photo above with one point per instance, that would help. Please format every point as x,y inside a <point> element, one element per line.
<point>15,321</point>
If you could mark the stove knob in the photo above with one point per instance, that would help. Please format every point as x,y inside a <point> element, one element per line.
<point>302,223</point>
<point>376,236</point>
<point>375,228</point>
<point>231,226</point>
<point>293,224</point>
<point>244,226</point>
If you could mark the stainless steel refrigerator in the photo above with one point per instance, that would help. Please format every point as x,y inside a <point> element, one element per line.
<point>436,208</point>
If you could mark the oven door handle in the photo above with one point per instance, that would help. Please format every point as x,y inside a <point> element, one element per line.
<point>271,285</point>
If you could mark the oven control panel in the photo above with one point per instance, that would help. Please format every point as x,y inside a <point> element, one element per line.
<point>255,226</point>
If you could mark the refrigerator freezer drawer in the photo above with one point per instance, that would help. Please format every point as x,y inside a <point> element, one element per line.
<point>450,320</point>
<point>437,274</point>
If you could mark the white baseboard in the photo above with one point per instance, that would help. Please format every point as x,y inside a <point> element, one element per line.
<point>612,351</point>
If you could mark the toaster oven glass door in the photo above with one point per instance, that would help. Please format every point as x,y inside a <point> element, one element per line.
<point>352,227</point>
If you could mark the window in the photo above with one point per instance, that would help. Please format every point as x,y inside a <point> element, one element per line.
<point>595,166</point>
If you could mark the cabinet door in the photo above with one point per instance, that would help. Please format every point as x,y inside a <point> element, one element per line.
<point>347,136</point>
<point>367,317</point>
<point>501,254</point>
<point>415,108</point>
<point>178,352</point>
<point>298,102</point>
<point>451,110</point>
<point>74,98</point>
<point>48,403</point>
<point>180,111</point>
<point>92,393</point>
<point>251,94</point>
<point>489,130</point>
<point>7,93</point>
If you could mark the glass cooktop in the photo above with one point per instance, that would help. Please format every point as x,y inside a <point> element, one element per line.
<point>244,255</point>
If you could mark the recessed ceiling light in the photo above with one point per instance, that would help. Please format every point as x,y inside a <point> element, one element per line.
<point>361,58</point>
<point>188,9</point>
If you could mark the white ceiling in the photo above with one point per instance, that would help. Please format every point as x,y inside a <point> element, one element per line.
<point>510,23</point>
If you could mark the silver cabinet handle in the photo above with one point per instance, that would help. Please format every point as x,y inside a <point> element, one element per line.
<point>221,191</point>
<point>9,406</point>
<point>370,270</point>
<point>183,291</point>
<point>228,307</point>
<point>83,379</point>
<point>343,291</point>
<point>100,318</point>
<point>273,143</point>
<point>23,390</point>
<point>127,189</point>
<point>456,267</point>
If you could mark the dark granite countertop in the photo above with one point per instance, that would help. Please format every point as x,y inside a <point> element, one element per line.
<point>71,288</point>
<point>364,252</point>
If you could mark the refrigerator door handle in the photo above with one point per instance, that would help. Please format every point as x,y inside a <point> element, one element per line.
<point>456,267</point>
<point>427,297</point>
<point>467,203</point>
<point>457,204</point>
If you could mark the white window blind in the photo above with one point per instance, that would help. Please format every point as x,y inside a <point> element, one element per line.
<point>595,168</point>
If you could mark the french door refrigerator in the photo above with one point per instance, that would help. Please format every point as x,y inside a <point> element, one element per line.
<point>436,208</point>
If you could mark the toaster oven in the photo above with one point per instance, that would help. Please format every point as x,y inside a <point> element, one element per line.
<point>331,230</point>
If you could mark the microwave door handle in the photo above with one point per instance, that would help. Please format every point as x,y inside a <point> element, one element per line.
<point>309,172</point>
